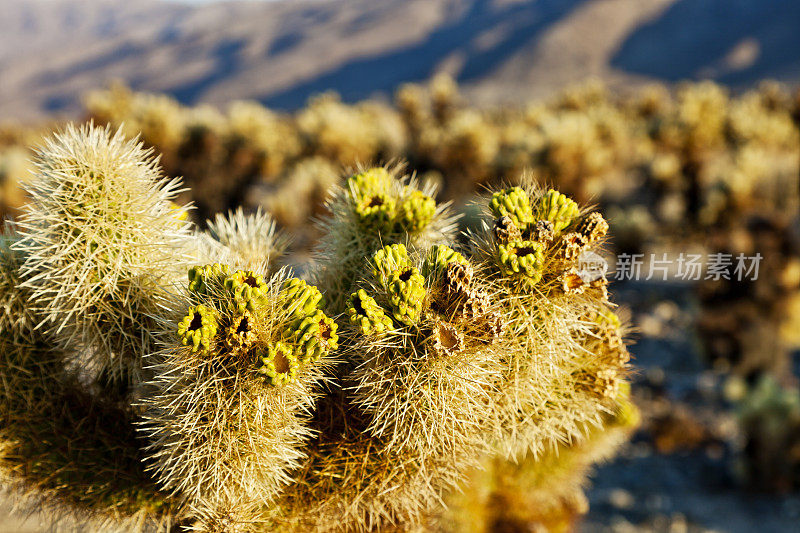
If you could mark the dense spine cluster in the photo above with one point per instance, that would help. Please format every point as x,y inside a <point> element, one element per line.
<point>100,236</point>
<point>252,400</point>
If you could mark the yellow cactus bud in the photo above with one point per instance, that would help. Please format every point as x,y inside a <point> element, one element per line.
<point>416,211</point>
<point>376,211</point>
<point>522,258</point>
<point>369,182</point>
<point>365,313</point>
<point>388,259</point>
<point>627,414</point>
<point>248,289</point>
<point>558,208</point>
<point>301,298</point>
<point>278,364</point>
<point>198,328</point>
<point>200,276</point>
<point>315,337</point>
<point>406,290</point>
<point>437,259</point>
<point>513,203</point>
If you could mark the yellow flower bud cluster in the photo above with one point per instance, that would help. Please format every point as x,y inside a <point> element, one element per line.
<point>558,208</point>
<point>248,289</point>
<point>522,259</point>
<point>389,259</point>
<point>366,314</point>
<point>303,299</point>
<point>314,337</point>
<point>406,290</point>
<point>278,363</point>
<point>438,257</point>
<point>237,320</point>
<point>381,206</point>
<point>513,203</point>
<point>198,328</point>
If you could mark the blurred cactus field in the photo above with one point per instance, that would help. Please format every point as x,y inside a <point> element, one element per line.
<point>372,316</point>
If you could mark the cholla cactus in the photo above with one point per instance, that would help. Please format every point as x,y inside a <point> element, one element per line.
<point>99,237</point>
<point>426,379</point>
<point>376,207</point>
<point>63,450</point>
<point>533,299</point>
<point>769,417</point>
<point>441,352</point>
<point>236,384</point>
<point>541,492</point>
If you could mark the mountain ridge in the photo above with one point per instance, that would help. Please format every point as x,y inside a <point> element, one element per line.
<point>282,52</point>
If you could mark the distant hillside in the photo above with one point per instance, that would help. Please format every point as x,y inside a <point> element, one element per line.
<point>282,52</point>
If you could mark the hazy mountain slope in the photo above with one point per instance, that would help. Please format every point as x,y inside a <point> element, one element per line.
<point>732,41</point>
<point>281,52</point>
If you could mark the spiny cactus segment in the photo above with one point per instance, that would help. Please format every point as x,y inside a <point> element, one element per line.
<point>101,237</point>
<point>376,208</point>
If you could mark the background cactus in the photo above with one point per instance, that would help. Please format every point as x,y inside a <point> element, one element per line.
<point>770,418</point>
